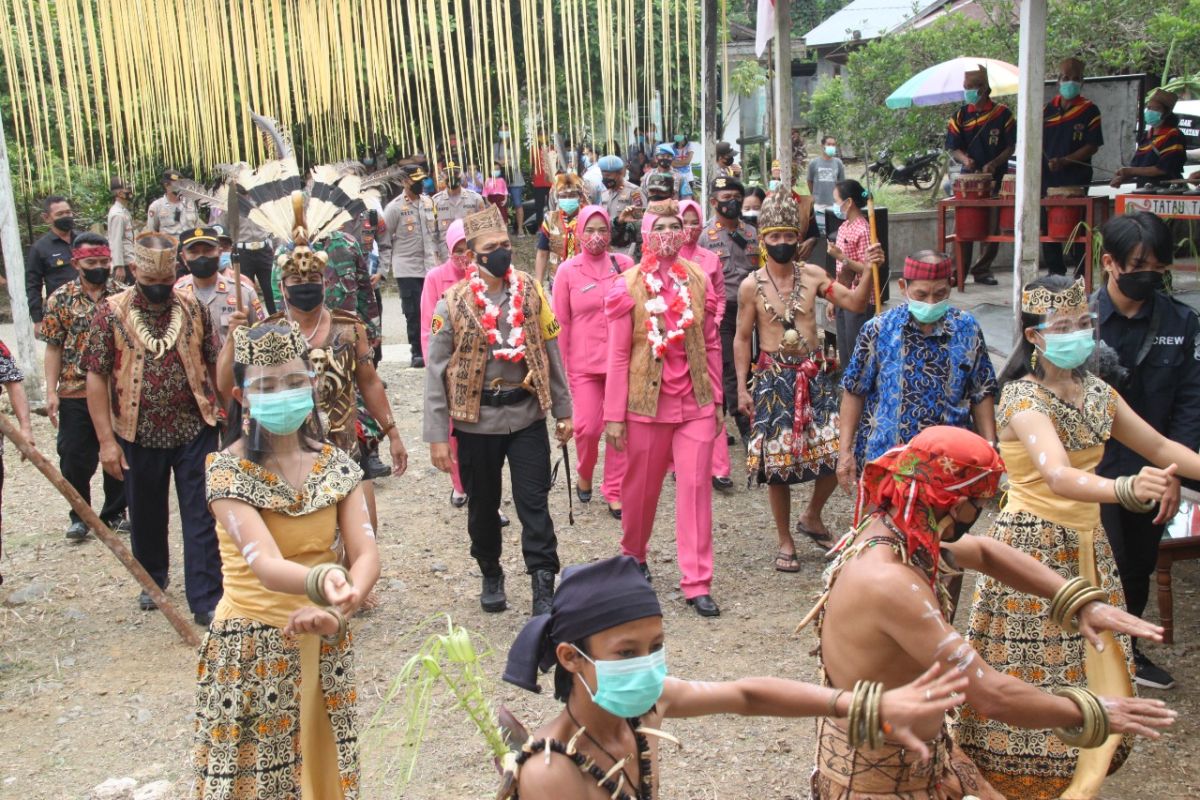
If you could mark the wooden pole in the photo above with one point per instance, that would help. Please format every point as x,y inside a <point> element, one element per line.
<point>14,268</point>
<point>1031,65</point>
<point>186,631</point>
<point>874,240</point>
<point>783,91</point>
<point>708,95</point>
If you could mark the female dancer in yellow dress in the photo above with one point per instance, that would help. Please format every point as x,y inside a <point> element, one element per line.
<point>1054,419</point>
<point>275,695</point>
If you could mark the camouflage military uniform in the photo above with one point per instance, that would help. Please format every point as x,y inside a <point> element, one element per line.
<point>348,282</point>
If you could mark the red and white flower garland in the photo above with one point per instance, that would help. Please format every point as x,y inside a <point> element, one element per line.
<point>656,306</point>
<point>515,351</point>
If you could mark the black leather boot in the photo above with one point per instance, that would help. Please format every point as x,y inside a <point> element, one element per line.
<point>543,591</point>
<point>492,598</point>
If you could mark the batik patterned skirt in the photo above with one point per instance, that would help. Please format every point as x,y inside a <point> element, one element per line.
<point>1012,631</point>
<point>275,715</point>
<point>794,435</point>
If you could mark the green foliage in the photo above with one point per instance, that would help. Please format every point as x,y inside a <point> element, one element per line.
<point>747,77</point>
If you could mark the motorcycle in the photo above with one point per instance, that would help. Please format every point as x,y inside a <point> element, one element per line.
<point>920,170</point>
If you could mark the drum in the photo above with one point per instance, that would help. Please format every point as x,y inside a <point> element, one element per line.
<point>1063,221</point>
<point>972,223</point>
<point>1008,191</point>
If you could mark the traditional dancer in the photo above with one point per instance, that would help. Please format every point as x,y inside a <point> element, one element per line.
<point>604,637</point>
<point>1157,338</point>
<point>793,400</point>
<point>1054,421</point>
<point>920,364</point>
<point>558,238</point>
<point>275,695</point>
<point>661,397</point>
<point>884,617</point>
<point>581,286</point>
<point>496,374</point>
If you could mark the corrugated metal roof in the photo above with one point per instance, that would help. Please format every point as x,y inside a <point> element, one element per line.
<point>870,18</point>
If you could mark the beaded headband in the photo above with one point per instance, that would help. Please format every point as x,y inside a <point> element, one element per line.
<point>1042,301</point>
<point>268,345</point>
<point>779,212</point>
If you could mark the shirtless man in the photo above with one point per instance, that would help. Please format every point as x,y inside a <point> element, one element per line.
<point>605,639</point>
<point>882,618</point>
<point>793,402</point>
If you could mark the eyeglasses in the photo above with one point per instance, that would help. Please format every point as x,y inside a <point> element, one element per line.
<point>1084,322</point>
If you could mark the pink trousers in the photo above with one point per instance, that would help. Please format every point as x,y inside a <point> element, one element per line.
<point>720,458</point>
<point>587,394</point>
<point>650,449</point>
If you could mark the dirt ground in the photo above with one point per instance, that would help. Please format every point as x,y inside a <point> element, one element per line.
<point>91,688</point>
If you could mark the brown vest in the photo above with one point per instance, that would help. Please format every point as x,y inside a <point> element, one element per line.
<point>468,362</point>
<point>645,371</point>
<point>131,357</point>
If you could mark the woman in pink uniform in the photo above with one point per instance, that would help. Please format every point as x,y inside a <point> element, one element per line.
<point>662,397</point>
<point>580,286</point>
<point>437,281</point>
<point>710,262</point>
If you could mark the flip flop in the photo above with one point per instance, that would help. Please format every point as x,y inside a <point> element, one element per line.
<point>821,540</point>
<point>793,563</point>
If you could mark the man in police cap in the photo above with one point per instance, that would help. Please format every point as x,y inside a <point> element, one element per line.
<point>726,168</point>
<point>624,203</point>
<point>736,244</point>
<point>200,254</point>
<point>452,203</point>
<point>664,157</point>
<point>407,250</point>
<point>171,214</point>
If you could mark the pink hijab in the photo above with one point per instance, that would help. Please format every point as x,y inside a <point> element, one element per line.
<point>689,249</point>
<point>455,234</point>
<point>581,221</point>
<point>648,220</point>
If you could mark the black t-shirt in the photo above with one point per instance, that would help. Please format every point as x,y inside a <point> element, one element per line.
<point>982,132</point>
<point>47,267</point>
<point>1065,128</point>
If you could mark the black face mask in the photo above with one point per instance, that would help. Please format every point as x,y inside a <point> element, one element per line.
<point>496,262</point>
<point>97,276</point>
<point>783,253</point>
<point>961,528</point>
<point>730,209</point>
<point>156,293</point>
<point>663,163</point>
<point>1140,285</point>
<point>205,266</point>
<point>305,296</point>
<point>610,183</point>
<point>751,219</point>
<point>64,224</point>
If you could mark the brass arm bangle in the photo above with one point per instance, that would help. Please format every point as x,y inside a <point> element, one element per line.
<point>1065,594</point>
<point>314,583</point>
<point>854,720</point>
<point>343,626</point>
<point>1127,497</point>
<point>833,701</point>
<point>1070,623</point>
<point>864,726</point>
<point>1095,728</point>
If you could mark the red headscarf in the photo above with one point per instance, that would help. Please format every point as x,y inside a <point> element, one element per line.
<point>921,481</point>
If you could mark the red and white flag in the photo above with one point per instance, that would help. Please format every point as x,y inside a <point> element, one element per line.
<point>764,30</point>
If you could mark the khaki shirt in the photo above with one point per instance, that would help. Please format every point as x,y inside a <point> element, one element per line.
<point>171,218</point>
<point>406,248</point>
<point>221,302</point>
<point>737,261</point>
<point>448,208</point>
<point>120,234</point>
<point>614,202</point>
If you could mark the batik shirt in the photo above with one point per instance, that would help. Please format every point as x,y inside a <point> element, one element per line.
<point>68,324</point>
<point>911,380</point>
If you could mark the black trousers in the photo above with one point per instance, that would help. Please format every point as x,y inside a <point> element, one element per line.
<point>541,196</point>
<point>147,483</point>
<point>480,463</point>
<point>1134,539</point>
<point>410,304</point>
<point>79,455</point>
<point>256,265</point>
<point>378,356</point>
<point>729,369</point>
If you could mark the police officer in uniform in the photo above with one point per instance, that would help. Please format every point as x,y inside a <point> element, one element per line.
<point>407,250</point>
<point>624,203</point>
<point>1157,339</point>
<point>213,288</point>
<point>736,244</point>
<point>171,214</point>
<point>452,203</point>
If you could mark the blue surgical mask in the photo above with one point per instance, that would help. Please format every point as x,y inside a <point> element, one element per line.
<point>1070,89</point>
<point>971,96</point>
<point>830,150</point>
<point>226,260</point>
<point>927,313</point>
<point>772,186</point>
<point>1152,117</point>
<point>504,134</point>
<point>1069,350</point>
<point>628,687</point>
<point>281,412</point>
<point>568,205</point>
<point>838,212</point>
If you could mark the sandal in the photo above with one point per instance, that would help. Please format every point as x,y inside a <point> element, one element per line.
<point>821,540</point>
<point>789,560</point>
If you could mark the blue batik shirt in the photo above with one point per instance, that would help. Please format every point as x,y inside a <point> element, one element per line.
<point>911,380</point>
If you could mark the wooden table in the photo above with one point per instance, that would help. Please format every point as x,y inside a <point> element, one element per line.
<point>1180,542</point>
<point>1095,212</point>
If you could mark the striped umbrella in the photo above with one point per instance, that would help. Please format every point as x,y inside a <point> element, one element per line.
<point>943,83</point>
